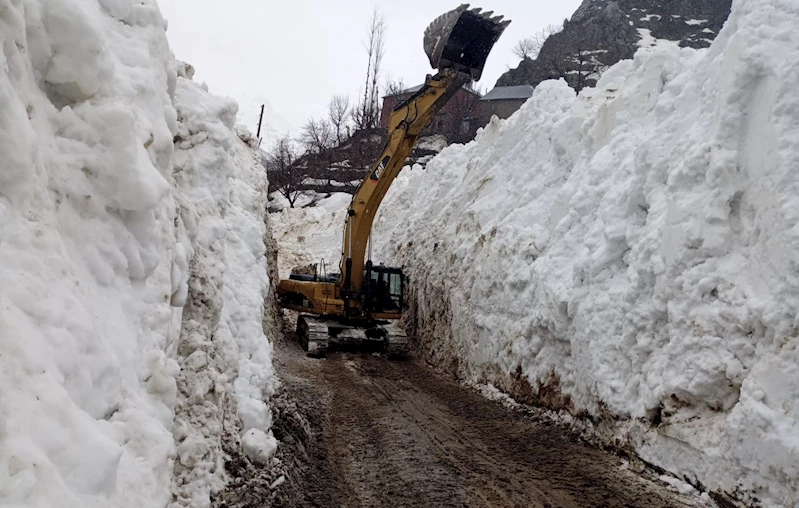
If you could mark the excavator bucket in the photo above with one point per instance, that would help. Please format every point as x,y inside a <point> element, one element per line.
<point>462,38</point>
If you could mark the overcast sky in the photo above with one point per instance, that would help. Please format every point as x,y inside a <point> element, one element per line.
<point>297,54</point>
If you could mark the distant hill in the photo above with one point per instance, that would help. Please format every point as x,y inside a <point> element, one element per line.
<point>602,32</point>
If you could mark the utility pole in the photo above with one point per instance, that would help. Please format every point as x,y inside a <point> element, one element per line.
<point>260,120</point>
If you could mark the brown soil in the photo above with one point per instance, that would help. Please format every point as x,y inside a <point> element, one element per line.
<point>358,430</point>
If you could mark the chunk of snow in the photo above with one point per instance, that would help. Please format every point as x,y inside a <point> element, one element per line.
<point>258,446</point>
<point>647,40</point>
<point>436,142</point>
<point>681,487</point>
<point>277,483</point>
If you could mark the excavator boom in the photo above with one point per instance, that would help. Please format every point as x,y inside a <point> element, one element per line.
<point>405,125</point>
<point>359,304</point>
<point>457,43</point>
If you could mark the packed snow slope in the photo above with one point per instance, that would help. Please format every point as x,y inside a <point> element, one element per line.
<point>631,253</point>
<point>310,232</point>
<point>106,233</point>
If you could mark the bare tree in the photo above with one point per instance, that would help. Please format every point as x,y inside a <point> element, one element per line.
<point>367,114</point>
<point>575,59</point>
<point>284,173</point>
<point>379,29</point>
<point>460,124</point>
<point>580,68</point>
<point>530,47</point>
<point>317,136</point>
<point>525,48</point>
<point>395,87</point>
<point>338,112</point>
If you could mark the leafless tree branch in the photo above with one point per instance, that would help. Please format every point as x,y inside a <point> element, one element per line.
<point>284,174</point>
<point>338,113</point>
<point>367,114</point>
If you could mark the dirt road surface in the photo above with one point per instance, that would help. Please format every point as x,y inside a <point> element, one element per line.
<point>358,430</point>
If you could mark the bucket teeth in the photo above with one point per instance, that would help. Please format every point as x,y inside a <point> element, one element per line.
<point>440,21</point>
<point>462,38</point>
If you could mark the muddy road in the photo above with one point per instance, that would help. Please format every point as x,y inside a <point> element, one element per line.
<point>358,430</point>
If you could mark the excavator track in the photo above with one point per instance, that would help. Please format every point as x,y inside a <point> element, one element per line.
<point>397,345</point>
<point>313,335</point>
<point>318,334</point>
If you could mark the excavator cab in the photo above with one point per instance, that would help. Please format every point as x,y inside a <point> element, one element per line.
<point>383,291</point>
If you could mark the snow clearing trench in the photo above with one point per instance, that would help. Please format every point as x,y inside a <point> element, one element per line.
<point>630,254</point>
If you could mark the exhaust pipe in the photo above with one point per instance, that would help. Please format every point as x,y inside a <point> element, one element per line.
<point>462,39</point>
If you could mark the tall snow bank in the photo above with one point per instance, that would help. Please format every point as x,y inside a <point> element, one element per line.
<point>226,361</point>
<point>632,253</point>
<point>100,248</point>
<point>87,254</point>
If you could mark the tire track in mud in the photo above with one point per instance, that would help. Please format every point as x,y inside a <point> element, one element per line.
<point>358,430</point>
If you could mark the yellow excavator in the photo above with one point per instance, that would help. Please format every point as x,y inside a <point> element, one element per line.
<point>361,305</point>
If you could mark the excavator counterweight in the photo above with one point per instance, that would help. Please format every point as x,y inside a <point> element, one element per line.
<point>363,303</point>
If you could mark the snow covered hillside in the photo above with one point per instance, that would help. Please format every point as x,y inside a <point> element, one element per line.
<point>123,263</point>
<point>631,253</point>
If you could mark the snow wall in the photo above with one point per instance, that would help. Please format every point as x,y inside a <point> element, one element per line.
<point>133,265</point>
<point>631,254</point>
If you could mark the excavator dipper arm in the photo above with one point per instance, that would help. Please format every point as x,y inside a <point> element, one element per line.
<point>406,123</point>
